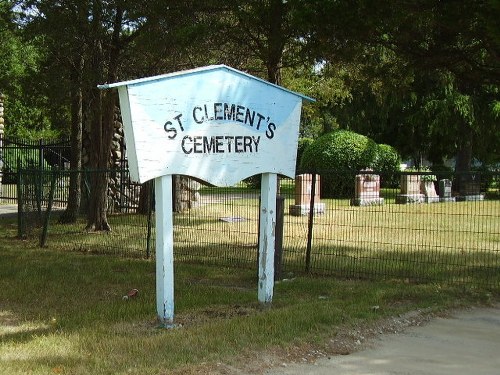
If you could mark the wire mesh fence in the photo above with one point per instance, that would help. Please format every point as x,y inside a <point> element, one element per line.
<point>391,227</point>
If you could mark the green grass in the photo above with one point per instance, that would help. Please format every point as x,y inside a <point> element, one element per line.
<point>63,312</point>
<point>442,242</point>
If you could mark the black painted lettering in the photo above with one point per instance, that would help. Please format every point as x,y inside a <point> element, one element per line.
<point>230,141</point>
<point>178,118</point>
<point>206,114</point>
<point>208,145</point>
<point>170,130</point>
<point>218,111</point>
<point>229,112</point>
<point>219,144</point>
<point>270,130</point>
<point>187,148</point>
<point>198,144</point>
<point>247,143</point>
<point>238,143</point>
<point>256,141</point>
<point>260,119</point>
<point>197,119</point>
<point>249,117</point>
<point>239,113</point>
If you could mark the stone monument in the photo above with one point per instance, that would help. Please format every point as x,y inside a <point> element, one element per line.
<point>445,191</point>
<point>428,189</point>
<point>410,190</point>
<point>367,190</point>
<point>303,195</point>
<point>470,188</point>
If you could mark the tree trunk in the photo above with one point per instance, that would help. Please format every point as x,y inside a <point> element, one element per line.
<point>275,41</point>
<point>103,115</point>
<point>146,197</point>
<point>75,177</point>
<point>464,157</point>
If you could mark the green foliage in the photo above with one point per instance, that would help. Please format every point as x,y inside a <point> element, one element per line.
<point>387,163</point>
<point>388,159</point>
<point>343,151</point>
<point>328,85</point>
<point>442,171</point>
<point>301,147</point>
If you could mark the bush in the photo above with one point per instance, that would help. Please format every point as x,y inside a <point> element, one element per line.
<point>343,152</point>
<point>302,145</point>
<point>387,163</point>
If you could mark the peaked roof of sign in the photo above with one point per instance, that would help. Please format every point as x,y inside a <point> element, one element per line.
<point>197,71</point>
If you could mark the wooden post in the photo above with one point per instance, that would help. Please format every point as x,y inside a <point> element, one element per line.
<point>164,250</point>
<point>165,112</point>
<point>267,237</point>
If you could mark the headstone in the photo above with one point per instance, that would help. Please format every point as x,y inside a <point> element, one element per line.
<point>367,190</point>
<point>429,190</point>
<point>410,190</point>
<point>303,196</point>
<point>470,188</point>
<point>445,191</point>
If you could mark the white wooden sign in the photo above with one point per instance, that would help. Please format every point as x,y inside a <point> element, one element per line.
<point>216,124</point>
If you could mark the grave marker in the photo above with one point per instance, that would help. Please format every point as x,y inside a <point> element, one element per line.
<point>303,196</point>
<point>367,190</point>
<point>429,190</point>
<point>470,188</point>
<point>410,190</point>
<point>445,186</point>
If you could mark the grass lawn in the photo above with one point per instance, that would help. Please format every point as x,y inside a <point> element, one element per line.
<point>63,312</point>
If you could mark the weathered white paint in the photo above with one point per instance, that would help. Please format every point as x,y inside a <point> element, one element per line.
<point>267,237</point>
<point>216,123</point>
<point>164,250</point>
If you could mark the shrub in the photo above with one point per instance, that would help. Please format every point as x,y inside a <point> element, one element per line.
<point>343,152</point>
<point>302,145</point>
<point>387,163</point>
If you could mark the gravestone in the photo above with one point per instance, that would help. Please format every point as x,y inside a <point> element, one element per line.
<point>303,196</point>
<point>445,186</point>
<point>470,188</point>
<point>367,190</point>
<point>429,190</point>
<point>410,190</point>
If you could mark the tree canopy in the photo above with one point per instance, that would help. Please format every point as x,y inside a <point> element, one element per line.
<point>421,76</point>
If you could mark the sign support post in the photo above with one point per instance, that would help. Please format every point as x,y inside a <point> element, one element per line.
<point>218,125</point>
<point>267,237</point>
<point>164,250</point>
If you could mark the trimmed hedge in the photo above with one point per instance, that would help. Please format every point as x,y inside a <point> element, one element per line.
<point>343,151</point>
<point>387,163</point>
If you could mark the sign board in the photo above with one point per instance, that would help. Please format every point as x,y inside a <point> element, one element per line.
<point>216,124</point>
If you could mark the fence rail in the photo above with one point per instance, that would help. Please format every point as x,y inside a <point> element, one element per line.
<point>392,227</point>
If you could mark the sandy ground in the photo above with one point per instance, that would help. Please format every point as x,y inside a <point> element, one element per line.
<point>466,343</point>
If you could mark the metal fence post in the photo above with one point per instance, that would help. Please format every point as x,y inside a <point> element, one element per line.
<point>21,230</point>
<point>310,223</point>
<point>43,237</point>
